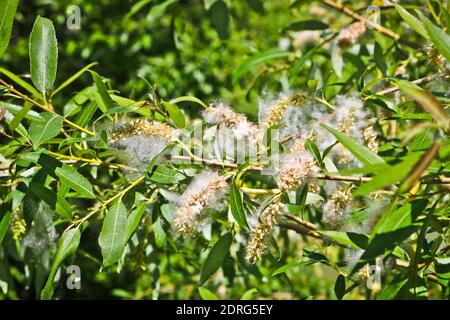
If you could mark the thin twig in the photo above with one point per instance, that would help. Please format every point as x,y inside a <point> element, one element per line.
<point>418,82</point>
<point>300,221</point>
<point>331,177</point>
<point>300,229</point>
<point>344,9</point>
<point>44,107</point>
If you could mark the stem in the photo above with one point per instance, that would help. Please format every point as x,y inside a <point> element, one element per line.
<point>255,167</point>
<point>344,9</point>
<point>105,203</point>
<point>417,81</point>
<point>44,107</point>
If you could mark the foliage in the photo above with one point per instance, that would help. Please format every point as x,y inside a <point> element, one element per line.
<point>327,179</point>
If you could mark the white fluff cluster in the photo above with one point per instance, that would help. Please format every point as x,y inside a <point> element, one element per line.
<point>140,149</point>
<point>141,140</point>
<point>294,169</point>
<point>41,237</point>
<point>205,191</point>
<point>232,135</point>
<point>338,206</point>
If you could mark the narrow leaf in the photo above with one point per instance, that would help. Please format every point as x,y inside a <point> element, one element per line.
<point>216,257</point>
<point>236,206</point>
<point>67,245</point>
<point>133,220</point>
<point>420,167</point>
<point>4,224</point>
<point>412,21</point>
<point>73,179</point>
<point>428,102</point>
<point>43,54</point>
<point>7,13</point>
<point>439,37</point>
<point>339,287</point>
<point>73,78</point>
<point>113,235</point>
<point>363,154</point>
<point>175,114</point>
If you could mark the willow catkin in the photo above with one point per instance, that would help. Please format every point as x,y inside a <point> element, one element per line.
<point>205,190</point>
<point>257,244</point>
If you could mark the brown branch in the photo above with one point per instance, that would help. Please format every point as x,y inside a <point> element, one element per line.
<point>418,82</point>
<point>300,221</point>
<point>300,229</point>
<point>344,9</point>
<point>331,177</point>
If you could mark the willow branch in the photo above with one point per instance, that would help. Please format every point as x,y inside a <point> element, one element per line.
<point>330,177</point>
<point>44,107</point>
<point>417,81</point>
<point>344,9</point>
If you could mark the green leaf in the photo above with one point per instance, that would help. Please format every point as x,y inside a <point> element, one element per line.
<point>7,13</point>
<point>256,60</point>
<point>387,177</point>
<point>73,179</point>
<point>20,82</point>
<point>42,131</point>
<point>391,290</point>
<point>339,287</point>
<point>301,195</point>
<point>188,99</point>
<point>175,114</point>
<point>133,220</point>
<point>220,18</point>
<point>137,7</point>
<point>113,235</point>
<point>412,21</point>
<point>73,78</point>
<point>23,112</point>
<point>4,224</point>
<point>67,245</point>
<point>419,168</point>
<point>428,102</point>
<point>102,97</point>
<point>248,295</point>
<point>363,154</point>
<point>43,54</point>
<point>439,37</point>
<point>286,267</point>
<point>206,294</point>
<point>307,25</point>
<point>355,240</point>
<point>160,234</point>
<point>236,206</point>
<point>165,175</point>
<point>403,217</point>
<point>216,257</point>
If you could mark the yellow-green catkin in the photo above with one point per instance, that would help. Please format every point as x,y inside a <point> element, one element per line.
<point>143,127</point>
<point>257,244</point>
<point>277,110</point>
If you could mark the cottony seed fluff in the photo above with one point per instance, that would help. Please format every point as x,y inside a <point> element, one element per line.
<point>204,191</point>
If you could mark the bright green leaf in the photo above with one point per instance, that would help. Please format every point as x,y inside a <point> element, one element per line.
<point>113,235</point>
<point>67,245</point>
<point>43,54</point>
<point>7,13</point>
<point>42,131</point>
